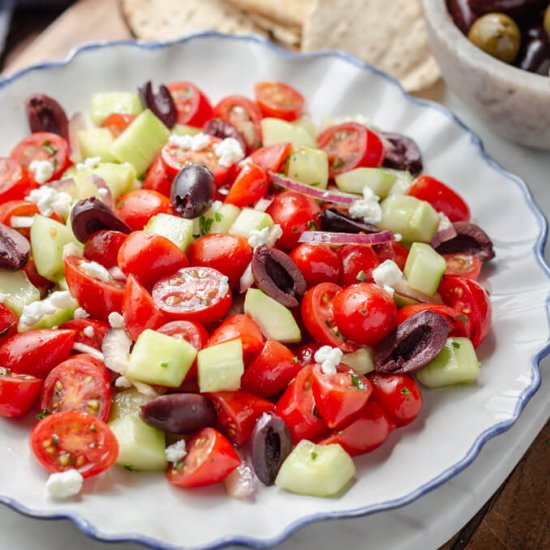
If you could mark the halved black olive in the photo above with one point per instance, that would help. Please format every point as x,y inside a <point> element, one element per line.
<point>401,153</point>
<point>414,343</point>
<point>14,249</point>
<point>44,114</point>
<point>470,239</point>
<point>335,221</point>
<point>160,102</point>
<point>221,129</point>
<point>91,215</point>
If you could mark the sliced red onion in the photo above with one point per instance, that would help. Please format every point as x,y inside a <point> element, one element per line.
<point>443,236</point>
<point>247,279</point>
<point>83,348</point>
<point>116,350</point>
<point>76,123</point>
<point>403,290</point>
<point>314,193</point>
<point>21,222</point>
<point>263,204</point>
<point>336,239</point>
<point>242,482</point>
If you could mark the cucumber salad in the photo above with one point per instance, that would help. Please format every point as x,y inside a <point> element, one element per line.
<point>226,293</point>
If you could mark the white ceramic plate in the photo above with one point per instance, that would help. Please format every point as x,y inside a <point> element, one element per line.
<point>455,422</point>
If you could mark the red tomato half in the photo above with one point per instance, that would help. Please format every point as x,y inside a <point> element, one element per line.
<point>237,413</point>
<point>272,157</point>
<point>351,145</point>
<point>455,320</point>
<point>441,197</point>
<point>78,384</point>
<point>279,100</point>
<point>102,247</point>
<point>13,208</point>
<point>249,187</point>
<point>15,182</point>
<point>74,439</point>
<point>137,207</point>
<point>36,352</point>
<point>118,122</point>
<point>245,115</point>
<point>358,263</point>
<point>243,327</point>
<point>318,263</point>
<point>210,459</point>
<point>89,332</point>
<point>8,322</point>
<point>18,392</point>
<point>194,293</point>
<point>467,266</point>
<point>158,178</point>
<point>192,105</point>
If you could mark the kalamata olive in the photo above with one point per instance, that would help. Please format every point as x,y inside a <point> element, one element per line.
<point>193,191</point>
<point>337,222</point>
<point>221,129</point>
<point>462,14</point>
<point>401,153</point>
<point>498,35</point>
<point>534,56</point>
<point>14,249</point>
<point>414,343</point>
<point>470,239</point>
<point>278,276</point>
<point>515,8</point>
<point>179,413</point>
<point>271,444</point>
<point>91,215</point>
<point>44,114</point>
<point>160,102</point>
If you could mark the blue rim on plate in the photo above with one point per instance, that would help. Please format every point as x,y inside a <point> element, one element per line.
<point>252,542</point>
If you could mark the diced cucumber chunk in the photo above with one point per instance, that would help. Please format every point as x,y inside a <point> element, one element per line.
<point>160,359</point>
<point>424,268</point>
<point>380,180</point>
<point>141,142</point>
<point>360,360</point>
<point>185,130</point>
<point>48,238</point>
<point>413,219</point>
<point>457,363</point>
<point>219,220</point>
<point>127,402</point>
<point>119,178</point>
<point>220,367</point>
<point>316,470</point>
<point>16,290</point>
<point>140,446</point>
<point>275,130</point>
<point>105,103</point>
<point>96,142</point>
<point>178,230</point>
<point>249,220</point>
<point>309,166</point>
<point>275,320</point>
<point>308,125</point>
<point>85,186</point>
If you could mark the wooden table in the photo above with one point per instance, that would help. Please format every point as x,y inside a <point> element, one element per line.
<point>517,517</point>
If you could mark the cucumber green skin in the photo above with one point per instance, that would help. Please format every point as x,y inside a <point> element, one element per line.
<point>380,180</point>
<point>309,166</point>
<point>221,367</point>
<point>457,363</point>
<point>275,131</point>
<point>424,268</point>
<point>316,470</point>
<point>178,230</point>
<point>249,220</point>
<point>105,103</point>
<point>53,320</point>
<point>140,447</point>
<point>360,361</point>
<point>96,142</point>
<point>16,291</point>
<point>275,321</point>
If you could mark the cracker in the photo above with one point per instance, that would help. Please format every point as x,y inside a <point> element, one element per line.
<point>285,12</point>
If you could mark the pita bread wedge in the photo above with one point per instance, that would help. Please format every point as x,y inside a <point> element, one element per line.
<point>390,34</point>
<point>285,12</point>
<point>290,37</point>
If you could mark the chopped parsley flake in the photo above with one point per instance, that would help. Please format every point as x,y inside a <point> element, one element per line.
<point>164,365</point>
<point>295,360</point>
<point>218,217</point>
<point>311,225</point>
<point>456,345</point>
<point>205,224</point>
<point>361,276</point>
<point>49,148</point>
<point>357,382</point>
<point>405,391</point>
<point>42,414</point>
<point>314,455</point>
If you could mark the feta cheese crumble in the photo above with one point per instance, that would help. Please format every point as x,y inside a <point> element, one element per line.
<point>35,311</point>
<point>116,320</point>
<point>223,286</point>
<point>368,208</point>
<point>50,201</point>
<point>89,331</point>
<point>117,273</point>
<point>198,142</point>
<point>19,222</point>
<point>96,270</point>
<point>64,484</point>
<point>387,275</point>
<point>444,222</point>
<point>329,358</point>
<point>42,170</point>
<point>267,236</point>
<point>176,452</point>
<point>71,249</point>
<point>123,383</point>
<point>228,151</point>
<point>80,313</point>
<point>90,163</point>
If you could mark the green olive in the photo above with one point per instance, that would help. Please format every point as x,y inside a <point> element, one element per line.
<point>547,20</point>
<point>498,35</point>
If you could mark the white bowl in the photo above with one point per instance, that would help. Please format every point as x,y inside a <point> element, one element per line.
<point>514,102</point>
<point>455,423</point>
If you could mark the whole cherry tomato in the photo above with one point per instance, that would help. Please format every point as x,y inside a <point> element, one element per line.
<point>137,207</point>
<point>318,263</point>
<point>358,262</point>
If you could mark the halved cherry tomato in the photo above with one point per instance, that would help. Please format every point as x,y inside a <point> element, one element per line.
<point>78,384</point>
<point>43,146</point>
<point>192,105</point>
<point>137,207</point>
<point>358,262</point>
<point>367,432</point>
<point>139,310</point>
<point>18,392</point>
<point>194,293</point>
<point>97,297</point>
<point>15,181</point>
<point>441,197</point>
<point>295,213</point>
<point>158,179</point>
<point>340,396</point>
<point>118,122</point>
<point>318,316</point>
<point>229,254</point>
<point>351,145</point>
<point>41,283</point>
<point>243,327</point>
<point>237,413</point>
<point>455,320</point>
<point>364,313</point>
<point>149,257</point>
<point>17,208</point>
<point>297,408</point>
<point>103,246</point>
<point>469,299</point>
<point>8,322</point>
<point>279,100</point>
<point>399,396</point>
<point>249,187</point>
<point>272,157</point>
<point>245,115</point>
<point>36,352</point>
<point>175,158</point>
<point>89,332</point>
<point>467,266</point>
<point>74,439</point>
<point>271,371</point>
<point>318,263</point>
<point>392,251</point>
